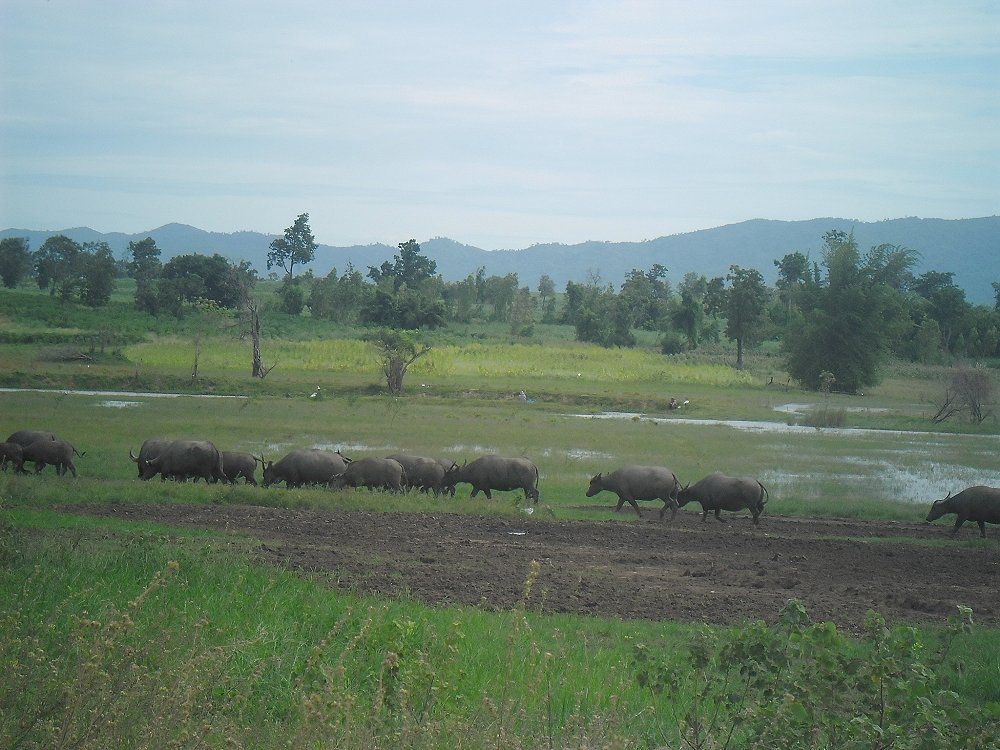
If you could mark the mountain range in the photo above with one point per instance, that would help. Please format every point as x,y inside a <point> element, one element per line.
<point>969,248</point>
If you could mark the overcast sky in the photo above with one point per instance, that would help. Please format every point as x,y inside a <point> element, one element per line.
<point>498,124</point>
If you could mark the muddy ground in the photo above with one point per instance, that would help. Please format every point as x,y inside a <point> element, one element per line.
<point>686,570</point>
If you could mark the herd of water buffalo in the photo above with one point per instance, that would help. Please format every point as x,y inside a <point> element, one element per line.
<point>181,460</point>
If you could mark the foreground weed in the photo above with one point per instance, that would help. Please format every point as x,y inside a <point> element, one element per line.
<point>804,685</point>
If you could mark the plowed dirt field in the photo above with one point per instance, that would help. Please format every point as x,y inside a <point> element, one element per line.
<point>711,572</point>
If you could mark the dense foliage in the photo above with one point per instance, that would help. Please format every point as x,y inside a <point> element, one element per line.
<point>837,320</point>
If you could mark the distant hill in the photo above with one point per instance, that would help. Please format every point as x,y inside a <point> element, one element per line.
<point>969,248</point>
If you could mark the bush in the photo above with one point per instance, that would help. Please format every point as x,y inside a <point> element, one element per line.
<point>803,684</point>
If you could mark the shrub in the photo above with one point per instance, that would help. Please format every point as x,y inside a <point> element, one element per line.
<point>804,684</point>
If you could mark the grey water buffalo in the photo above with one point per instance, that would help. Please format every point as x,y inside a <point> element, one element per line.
<point>186,459</point>
<point>446,464</point>
<point>633,483</point>
<point>495,473</point>
<point>422,473</point>
<point>236,464</point>
<point>718,492</point>
<point>12,453</point>
<point>150,448</point>
<point>24,438</point>
<point>373,473</point>
<point>304,466</point>
<point>980,504</point>
<point>59,453</point>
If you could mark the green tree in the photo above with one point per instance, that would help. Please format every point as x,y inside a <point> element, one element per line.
<point>187,279</point>
<point>851,319</point>
<point>297,247</point>
<point>746,308</point>
<point>15,261</point>
<point>56,266</point>
<point>395,351</point>
<point>340,299</point>
<point>946,304</point>
<point>689,317</point>
<point>145,268</point>
<point>601,317</point>
<point>97,270</point>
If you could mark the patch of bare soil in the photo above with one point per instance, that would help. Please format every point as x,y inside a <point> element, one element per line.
<point>720,573</point>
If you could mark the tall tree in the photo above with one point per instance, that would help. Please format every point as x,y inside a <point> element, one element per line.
<point>946,304</point>
<point>56,266</point>
<point>15,260</point>
<point>97,269</point>
<point>409,267</point>
<point>145,268</point>
<point>747,307</point>
<point>297,247</point>
<point>851,319</point>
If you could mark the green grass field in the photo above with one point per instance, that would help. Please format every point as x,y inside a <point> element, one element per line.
<point>129,635</point>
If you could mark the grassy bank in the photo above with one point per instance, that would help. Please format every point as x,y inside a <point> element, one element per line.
<point>126,635</point>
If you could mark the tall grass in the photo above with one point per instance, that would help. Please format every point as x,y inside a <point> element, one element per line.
<point>152,641</point>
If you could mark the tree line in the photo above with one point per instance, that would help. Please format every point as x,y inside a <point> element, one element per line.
<point>837,317</point>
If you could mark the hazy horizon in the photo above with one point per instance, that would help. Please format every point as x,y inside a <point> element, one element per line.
<point>499,126</point>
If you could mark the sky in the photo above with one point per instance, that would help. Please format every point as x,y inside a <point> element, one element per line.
<point>497,124</point>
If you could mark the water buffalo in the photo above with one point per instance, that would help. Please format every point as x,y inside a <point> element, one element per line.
<point>373,473</point>
<point>59,453</point>
<point>718,492</point>
<point>979,504</point>
<point>150,448</point>
<point>24,438</point>
<point>185,459</point>
<point>496,473</point>
<point>421,472</point>
<point>633,483</point>
<point>446,464</point>
<point>236,464</point>
<point>14,454</point>
<point>304,466</point>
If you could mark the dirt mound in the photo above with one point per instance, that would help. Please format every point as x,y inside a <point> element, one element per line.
<point>711,572</point>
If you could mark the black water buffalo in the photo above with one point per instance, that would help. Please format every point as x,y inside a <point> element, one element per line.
<point>24,438</point>
<point>150,448</point>
<point>186,459</point>
<point>422,473</point>
<point>718,492</point>
<point>373,473</point>
<point>496,473</point>
<point>304,466</point>
<point>12,453</point>
<point>633,483</point>
<point>59,453</point>
<point>236,464</point>
<point>980,504</point>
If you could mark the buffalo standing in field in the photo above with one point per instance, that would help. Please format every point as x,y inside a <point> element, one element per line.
<point>633,483</point>
<point>980,504</point>
<point>24,438</point>
<point>236,464</point>
<point>373,473</point>
<point>14,454</point>
<point>496,473</point>
<point>718,492</point>
<point>304,466</point>
<point>59,453</point>
<point>150,448</point>
<point>446,464</point>
<point>422,473</point>
<point>186,459</point>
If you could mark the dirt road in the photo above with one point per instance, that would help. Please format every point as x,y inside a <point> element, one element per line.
<point>691,571</point>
